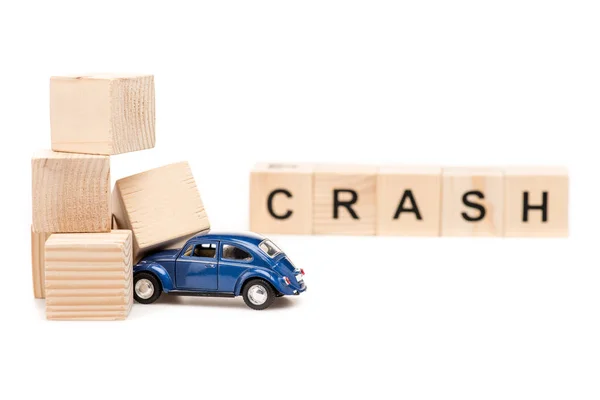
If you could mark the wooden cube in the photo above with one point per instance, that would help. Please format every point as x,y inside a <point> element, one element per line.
<point>89,276</point>
<point>536,201</point>
<point>71,192</point>
<point>38,242</point>
<point>281,197</point>
<point>344,199</point>
<point>102,114</point>
<point>409,201</point>
<point>159,206</point>
<point>472,202</point>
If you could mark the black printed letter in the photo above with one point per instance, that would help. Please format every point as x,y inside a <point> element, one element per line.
<point>270,204</point>
<point>348,204</point>
<point>408,195</point>
<point>473,205</point>
<point>527,207</point>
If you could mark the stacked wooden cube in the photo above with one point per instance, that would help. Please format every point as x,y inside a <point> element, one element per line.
<point>409,200</point>
<point>80,265</point>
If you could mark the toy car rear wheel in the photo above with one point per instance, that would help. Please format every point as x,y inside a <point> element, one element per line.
<point>146,288</point>
<point>258,294</point>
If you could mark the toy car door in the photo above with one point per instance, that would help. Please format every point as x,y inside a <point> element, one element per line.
<point>197,267</point>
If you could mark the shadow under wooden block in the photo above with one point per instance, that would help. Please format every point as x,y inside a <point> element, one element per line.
<point>38,242</point>
<point>536,202</point>
<point>89,276</point>
<point>409,201</point>
<point>159,206</point>
<point>71,192</point>
<point>281,198</point>
<point>472,202</point>
<point>102,114</point>
<point>344,199</point>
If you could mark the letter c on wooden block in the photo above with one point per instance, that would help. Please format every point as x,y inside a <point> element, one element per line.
<point>281,198</point>
<point>472,202</point>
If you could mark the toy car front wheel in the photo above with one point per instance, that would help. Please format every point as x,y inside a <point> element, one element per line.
<point>258,294</point>
<point>147,288</point>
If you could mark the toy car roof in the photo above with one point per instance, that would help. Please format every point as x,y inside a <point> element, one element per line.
<point>249,237</point>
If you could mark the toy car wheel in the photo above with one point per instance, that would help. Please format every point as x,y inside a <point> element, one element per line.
<point>258,294</point>
<point>147,288</point>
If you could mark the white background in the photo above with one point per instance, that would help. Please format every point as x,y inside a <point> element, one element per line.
<point>237,82</point>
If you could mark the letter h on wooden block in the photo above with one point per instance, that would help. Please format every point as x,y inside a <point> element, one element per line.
<point>281,198</point>
<point>102,114</point>
<point>344,200</point>
<point>472,202</point>
<point>409,201</point>
<point>536,201</point>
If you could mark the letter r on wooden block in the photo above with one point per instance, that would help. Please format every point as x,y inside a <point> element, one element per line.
<point>409,201</point>
<point>281,198</point>
<point>344,200</point>
<point>536,201</point>
<point>472,202</point>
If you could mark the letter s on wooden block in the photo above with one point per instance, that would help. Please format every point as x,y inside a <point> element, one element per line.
<point>409,201</point>
<point>344,199</point>
<point>281,198</point>
<point>472,202</point>
<point>536,201</point>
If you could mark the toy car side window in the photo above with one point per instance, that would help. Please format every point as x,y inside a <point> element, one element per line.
<point>188,250</point>
<point>205,250</point>
<point>235,253</point>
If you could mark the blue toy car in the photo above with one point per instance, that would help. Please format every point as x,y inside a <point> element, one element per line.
<point>220,265</point>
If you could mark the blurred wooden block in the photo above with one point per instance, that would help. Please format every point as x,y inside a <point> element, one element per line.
<point>409,201</point>
<point>281,197</point>
<point>102,114</point>
<point>344,199</point>
<point>536,201</point>
<point>71,192</point>
<point>38,241</point>
<point>472,202</point>
<point>89,275</point>
<point>160,206</point>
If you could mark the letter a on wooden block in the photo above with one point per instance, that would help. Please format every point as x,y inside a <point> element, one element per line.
<point>281,198</point>
<point>472,202</point>
<point>38,241</point>
<point>536,201</point>
<point>71,192</point>
<point>344,200</point>
<point>102,114</point>
<point>89,276</point>
<point>160,206</point>
<point>409,201</point>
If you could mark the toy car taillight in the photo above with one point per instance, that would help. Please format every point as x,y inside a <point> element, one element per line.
<point>286,280</point>
<point>301,271</point>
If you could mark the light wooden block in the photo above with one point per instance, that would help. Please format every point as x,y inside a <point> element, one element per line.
<point>409,201</point>
<point>353,187</point>
<point>71,192</point>
<point>159,206</point>
<point>38,241</point>
<point>281,197</point>
<point>102,114</point>
<point>89,276</point>
<point>472,202</point>
<point>529,188</point>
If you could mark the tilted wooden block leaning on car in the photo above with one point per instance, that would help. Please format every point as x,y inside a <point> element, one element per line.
<point>409,200</point>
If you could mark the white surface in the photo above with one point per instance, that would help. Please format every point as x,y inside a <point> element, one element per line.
<point>443,83</point>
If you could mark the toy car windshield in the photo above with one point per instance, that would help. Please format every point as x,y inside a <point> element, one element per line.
<point>269,247</point>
